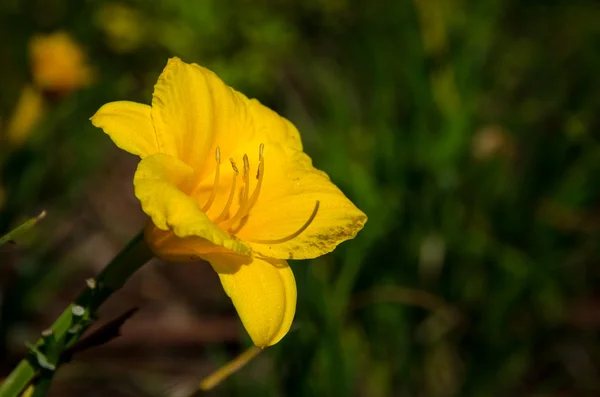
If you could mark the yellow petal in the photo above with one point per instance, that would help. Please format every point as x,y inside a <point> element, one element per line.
<point>169,247</point>
<point>271,129</point>
<point>129,125</point>
<point>27,113</point>
<point>291,189</point>
<point>194,112</point>
<point>161,183</point>
<point>263,293</point>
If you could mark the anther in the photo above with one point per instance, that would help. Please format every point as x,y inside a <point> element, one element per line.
<point>246,181</point>
<point>296,233</point>
<point>261,151</point>
<point>234,166</point>
<point>213,192</point>
<point>246,164</point>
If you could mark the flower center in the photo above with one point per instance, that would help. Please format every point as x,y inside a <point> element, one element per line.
<point>236,222</point>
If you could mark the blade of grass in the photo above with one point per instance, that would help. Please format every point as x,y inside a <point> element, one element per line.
<point>19,230</point>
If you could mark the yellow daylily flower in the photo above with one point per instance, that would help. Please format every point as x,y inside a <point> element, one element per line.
<point>224,179</point>
<point>58,63</point>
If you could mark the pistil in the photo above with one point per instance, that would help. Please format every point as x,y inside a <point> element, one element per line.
<point>296,233</point>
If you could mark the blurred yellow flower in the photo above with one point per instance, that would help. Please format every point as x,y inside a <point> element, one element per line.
<point>223,178</point>
<point>58,63</point>
<point>124,26</point>
<point>26,114</point>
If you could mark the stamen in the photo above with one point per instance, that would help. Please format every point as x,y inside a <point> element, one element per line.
<point>259,175</point>
<point>223,214</point>
<point>296,233</point>
<point>245,210</point>
<point>213,193</point>
<point>240,212</point>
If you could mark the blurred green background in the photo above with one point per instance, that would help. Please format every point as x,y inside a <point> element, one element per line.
<point>468,132</point>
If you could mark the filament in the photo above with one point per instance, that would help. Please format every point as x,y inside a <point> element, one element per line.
<point>296,233</point>
<point>259,175</point>
<point>213,193</point>
<point>223,214</point>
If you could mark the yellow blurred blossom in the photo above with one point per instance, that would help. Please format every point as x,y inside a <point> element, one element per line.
<point>124,26</point>
<point>58,63</point>
<point>225,179</point>
<point>27,112</point>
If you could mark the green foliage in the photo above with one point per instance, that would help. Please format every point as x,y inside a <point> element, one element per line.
<point>466,131</point>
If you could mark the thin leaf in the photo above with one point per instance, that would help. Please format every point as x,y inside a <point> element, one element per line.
<point>22,229</point>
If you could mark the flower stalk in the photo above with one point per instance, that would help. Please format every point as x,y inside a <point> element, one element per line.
<point>42,359</point>
<point>229,368</point>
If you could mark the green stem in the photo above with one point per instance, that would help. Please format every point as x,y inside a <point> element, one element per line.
<point>80,314</point>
